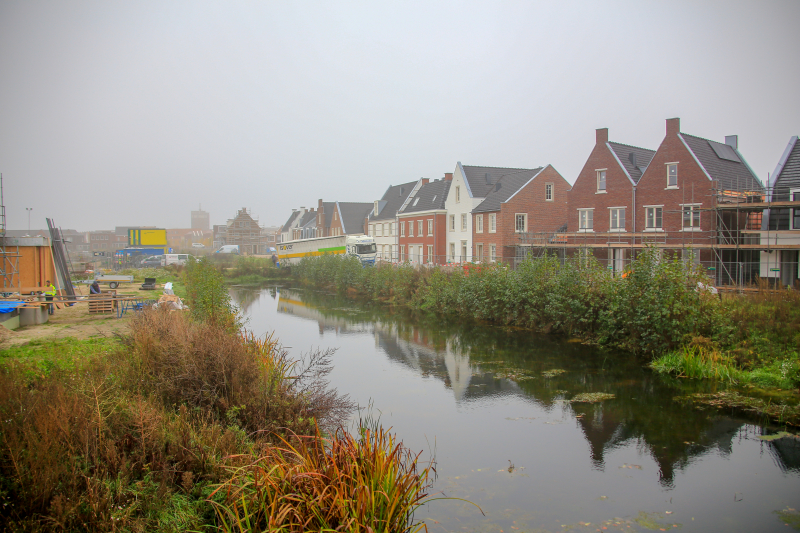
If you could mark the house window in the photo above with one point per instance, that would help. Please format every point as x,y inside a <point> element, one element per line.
<point>430,253</point>
<point>601,181</point>
<point>796,211</point>
<point>548,192</point>
<point>478,223</point>
<point>616,219</point>
<point>493,252</point>
<point>691,217</point>
<point>463,222</point>
<point>492,222</point>
<point>463,250</point>
<point>402,251</point>
<point>402,229</point>
<point>385,230</point>
<point>430,226</point>
<point>452,222</point>
<point>585,219</point>
<point>672,175</point>
<point>458,194</point>
<point>410,228</point>
<point>653,218</point>
<point>479,252</point>
<point>521,222</point>
<point>419,228</point>
<point>452,251</point>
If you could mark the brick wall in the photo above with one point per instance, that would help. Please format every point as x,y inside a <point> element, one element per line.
<point>438,239</point>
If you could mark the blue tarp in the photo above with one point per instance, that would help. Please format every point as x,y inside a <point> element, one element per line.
<point>9,305</point>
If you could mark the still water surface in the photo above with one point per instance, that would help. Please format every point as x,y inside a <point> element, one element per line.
<point>475,396</point>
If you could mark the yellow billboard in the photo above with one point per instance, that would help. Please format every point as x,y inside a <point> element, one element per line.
<point>147,237</point>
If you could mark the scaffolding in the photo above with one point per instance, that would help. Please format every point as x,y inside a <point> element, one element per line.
<point>744,225</point>
<point>9,261</point>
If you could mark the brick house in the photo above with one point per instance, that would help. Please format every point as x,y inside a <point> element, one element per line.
<point>520,207</point>
<point>602,199</point>
<point>422,225</point>
<point>382,222</point>
<point>342,218</point>
<point>245,231</point>
<point>470,186</point>
<point>678,198</point>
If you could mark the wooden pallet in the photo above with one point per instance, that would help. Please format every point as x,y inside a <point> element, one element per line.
<point>104,303</point>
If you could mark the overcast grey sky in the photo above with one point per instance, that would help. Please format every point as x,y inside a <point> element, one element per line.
<point>133,113</point>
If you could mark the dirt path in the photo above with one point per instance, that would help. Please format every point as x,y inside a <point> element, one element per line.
<point>76,322</point>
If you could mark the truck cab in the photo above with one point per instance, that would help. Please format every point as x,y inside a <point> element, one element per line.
<point>363,247</point>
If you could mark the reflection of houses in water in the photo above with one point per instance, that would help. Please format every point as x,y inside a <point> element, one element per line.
<point>290,303</point>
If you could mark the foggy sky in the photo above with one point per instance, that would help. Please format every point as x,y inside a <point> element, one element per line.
<point>133,113</point>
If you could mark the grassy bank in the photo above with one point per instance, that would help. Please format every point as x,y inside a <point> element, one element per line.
<point>656,311</point>
<point>251,271</point>
<point>189,423</point>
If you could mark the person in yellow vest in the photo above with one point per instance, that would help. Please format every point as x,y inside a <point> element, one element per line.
<point>49,294</point>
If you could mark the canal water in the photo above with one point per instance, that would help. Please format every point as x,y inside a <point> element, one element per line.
<point>497,409</point>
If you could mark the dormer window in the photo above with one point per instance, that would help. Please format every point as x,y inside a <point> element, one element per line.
<point>672,175</point>
<point>376,208</point>
<point>601,180</point>
<point>416,200</point>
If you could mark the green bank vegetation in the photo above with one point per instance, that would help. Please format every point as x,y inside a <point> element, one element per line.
<point>189,423</point>
<point>658,311</point>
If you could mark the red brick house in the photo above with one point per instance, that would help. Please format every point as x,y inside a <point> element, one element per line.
<point>602,199</point>
<point>342,218</point>
<point>520,206</point>
<point>422,225</point>
<point>688,177</point>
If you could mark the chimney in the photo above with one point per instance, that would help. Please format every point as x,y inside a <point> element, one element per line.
<point>425,181</point>
<point>732,141</point>
<point>448,176</point>
<point>673,126</point>
<point>601,135</point>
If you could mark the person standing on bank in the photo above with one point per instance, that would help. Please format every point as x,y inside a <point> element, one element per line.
<point>94,288</point>
<point>49,294</point>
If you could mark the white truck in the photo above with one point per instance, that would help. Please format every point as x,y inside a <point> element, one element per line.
<point>360,246</point>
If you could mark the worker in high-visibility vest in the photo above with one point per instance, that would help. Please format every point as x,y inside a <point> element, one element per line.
<point>49,294</point>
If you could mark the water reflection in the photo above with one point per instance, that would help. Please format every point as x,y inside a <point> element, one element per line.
<point>489,368</point>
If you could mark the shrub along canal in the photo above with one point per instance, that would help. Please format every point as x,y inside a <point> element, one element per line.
<point>542,433</point>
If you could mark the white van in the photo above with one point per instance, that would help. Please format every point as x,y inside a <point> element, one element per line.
<point>174,259</point>
<point>229,249</point>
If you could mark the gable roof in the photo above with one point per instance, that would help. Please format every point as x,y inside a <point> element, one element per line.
<point>328,208</point>
<point>723,163</point>
<point>634,160</point>
<point>429,197</point>
<point>394,198</point>
<point>505,188</point>
<point>288,224</point>
<point>353,215</point>
<point>481,180</point>
<point>787,173</point>
<point>308,217</point>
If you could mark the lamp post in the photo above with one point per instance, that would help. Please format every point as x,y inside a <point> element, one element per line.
<point>29,209</point>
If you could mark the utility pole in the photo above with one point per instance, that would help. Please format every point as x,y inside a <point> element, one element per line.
<point>29,209</point>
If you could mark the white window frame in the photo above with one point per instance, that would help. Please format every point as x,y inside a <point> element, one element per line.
<point>452,251</point>
<point>605,180</point>
<point>463,222</point>
<point>694,208</point>
<point>419,228</point>
<point>430,227</point>
<point>647,209</point>
<point>668,166</point>
<point>479,251</point>
<point>524,222</point>
<point>430,253</point>
<point>586,215</point>
<point>402,229</point>
<point>410,228</point>
<point>493,253</point>
<point>458,194</point>
<point>492,222</point>
<point>452,222</point>
<point>611,211</point>
<point>549,192</point>
<point>478,223</point>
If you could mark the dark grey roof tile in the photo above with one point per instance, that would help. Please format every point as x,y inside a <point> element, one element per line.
<point>353,215</point>
<point>481,180</point>
<point>634,159</point>
<point>429,197</point>
<point>394,198</point>
<point>732,175</point>
<point>504,188</point>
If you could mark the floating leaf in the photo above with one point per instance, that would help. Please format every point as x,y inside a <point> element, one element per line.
<point>592,397</point>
